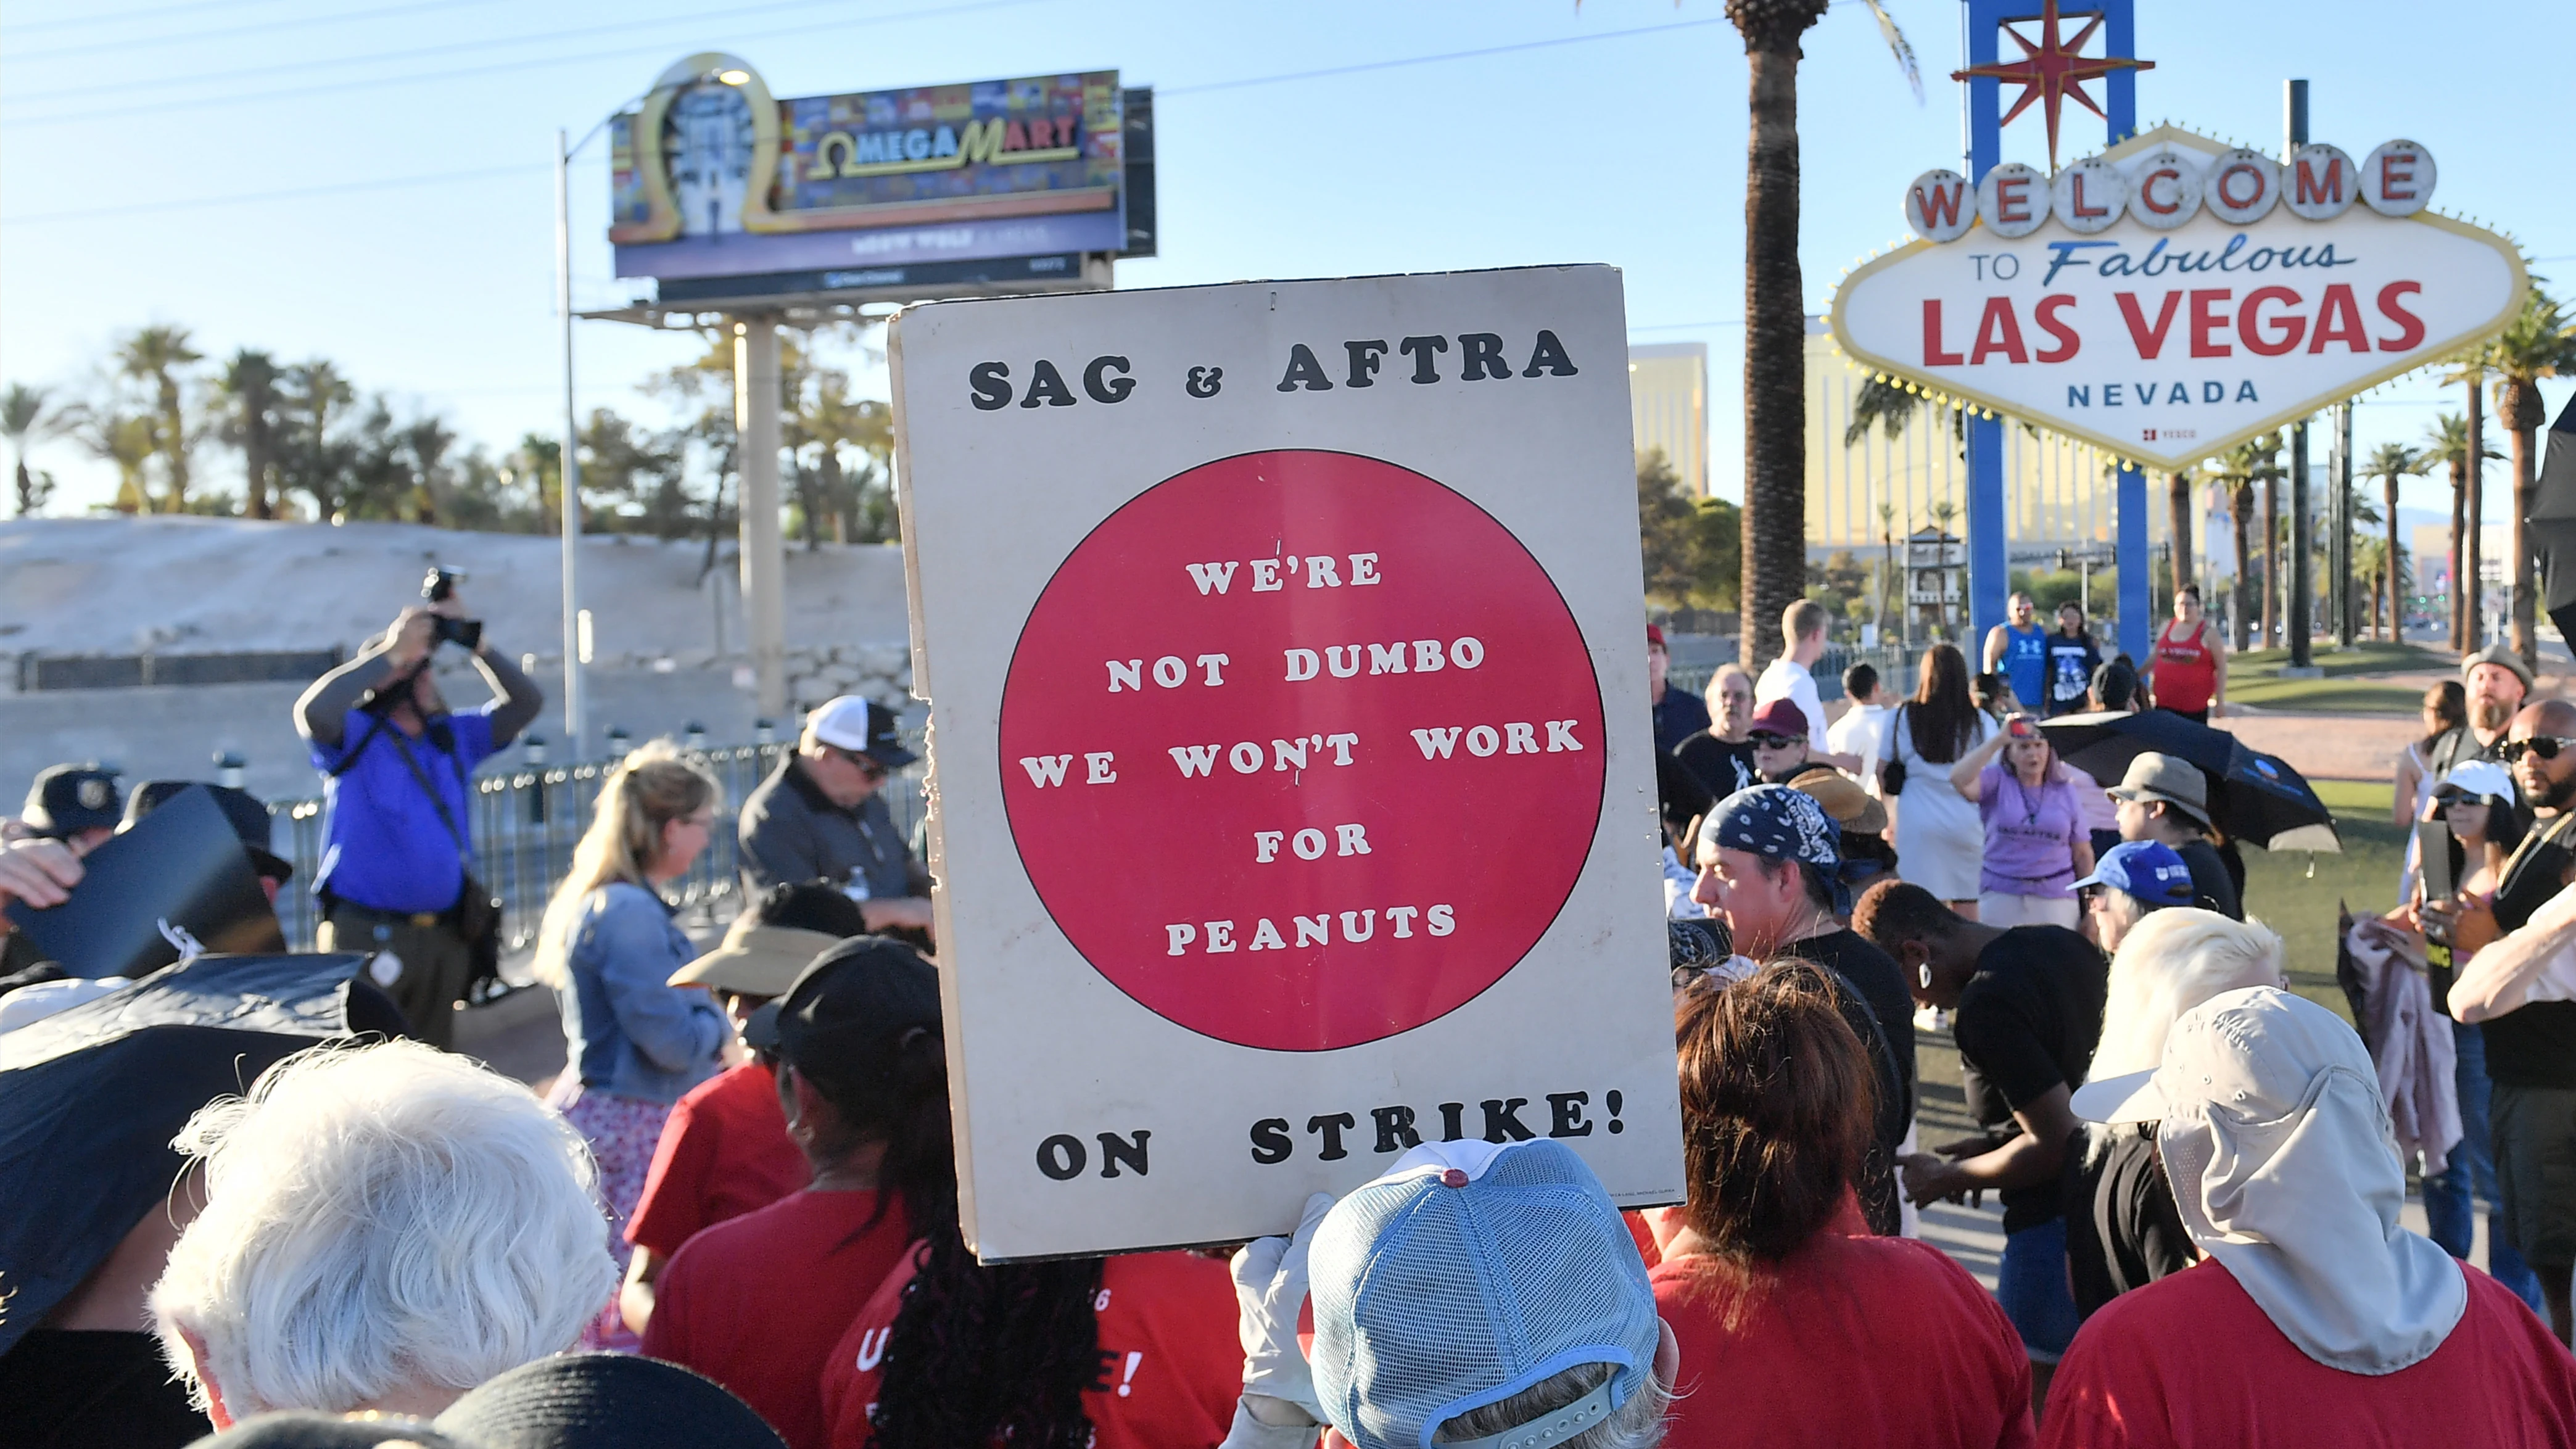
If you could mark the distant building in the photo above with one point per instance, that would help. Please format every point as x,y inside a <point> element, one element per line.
<point>2058,493</point>
<point>1668,402</point>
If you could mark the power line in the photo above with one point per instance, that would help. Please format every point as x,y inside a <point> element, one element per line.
<point>124,15</point>
<point>406,53</point>
<point>298,22</point>
<point>388,183</point>
<point>498,67</point>
<point>440,178</point>
<point>1264,80</point>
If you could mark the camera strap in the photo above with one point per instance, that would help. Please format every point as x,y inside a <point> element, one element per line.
<point>455,836</point>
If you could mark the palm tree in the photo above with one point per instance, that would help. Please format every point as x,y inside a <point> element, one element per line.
<point>125,440</point>
<point>312,458</point>
<point>2369,564</point>
<point>154,355</point>
<point>2540,342</point>
<point>2449,437</point>
<point>2469,369</point>
<point>2239,467</point>
<point>2178,509</point>
<point>2271,472</point>
<point>2392,462</point>
<point>1775,325</point>
<point>24,422</point>
<point>250,423</point>
<point>1887,605</point>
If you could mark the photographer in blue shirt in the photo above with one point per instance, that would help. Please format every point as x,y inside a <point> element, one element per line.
<point>397,767</point>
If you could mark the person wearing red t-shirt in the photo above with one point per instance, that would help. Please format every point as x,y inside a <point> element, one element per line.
<point>758,1303</point>
<point>1132,1352</point>
<point>2315,1319</point>
<point>724,1150</point>
<point>1795,1327</point>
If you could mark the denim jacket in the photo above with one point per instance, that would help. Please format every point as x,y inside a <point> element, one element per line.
<point>627,1030</point>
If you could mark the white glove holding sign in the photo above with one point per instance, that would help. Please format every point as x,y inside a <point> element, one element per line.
<point>1270,1289</point>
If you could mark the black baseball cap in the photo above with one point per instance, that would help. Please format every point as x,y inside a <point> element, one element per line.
<point>68,799</point>
<point>854,1005</point>
<point>576,1401</point>
<point>242,810</point>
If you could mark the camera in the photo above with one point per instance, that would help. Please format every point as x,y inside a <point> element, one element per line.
<point>436,587</point>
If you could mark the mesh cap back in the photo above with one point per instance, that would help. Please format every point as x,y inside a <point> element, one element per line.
<point>1465,1275</point>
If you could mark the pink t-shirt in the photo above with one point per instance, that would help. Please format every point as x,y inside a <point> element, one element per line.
<point>2030,835</point>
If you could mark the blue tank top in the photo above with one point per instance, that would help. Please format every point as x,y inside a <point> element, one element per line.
<point>2026,665</point>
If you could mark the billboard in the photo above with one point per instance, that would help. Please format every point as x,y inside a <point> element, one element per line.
<point>2176,296</point>
<point>1286,810</point>
<point>720,190</point>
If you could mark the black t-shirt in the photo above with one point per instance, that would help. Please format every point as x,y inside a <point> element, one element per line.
<point>2534,1045</point>
<point>2122,1228</point>
<point>2028,1022</point>
<point>1881,1013</point>
<point>2071,663</point>
<point>1724,768</point>
<point>91,1390</point>
<point>2212,888</point>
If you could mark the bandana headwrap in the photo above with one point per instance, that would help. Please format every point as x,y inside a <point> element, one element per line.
<point>1778,823</point>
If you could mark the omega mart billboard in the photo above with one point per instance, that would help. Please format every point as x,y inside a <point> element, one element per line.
<point>2175,295</point>
<point>1287,808</point>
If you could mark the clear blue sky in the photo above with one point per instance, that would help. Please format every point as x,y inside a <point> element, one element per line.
<point>1612,133</point>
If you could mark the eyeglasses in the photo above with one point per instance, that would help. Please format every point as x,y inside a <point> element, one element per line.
<point>2545,746</point>
<point>1763,740</point>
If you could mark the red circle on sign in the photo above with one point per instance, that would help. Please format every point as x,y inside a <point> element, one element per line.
<point>1361,816</point>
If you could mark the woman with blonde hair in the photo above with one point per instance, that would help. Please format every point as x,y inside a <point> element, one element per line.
<point>2122,1228</point>
<point>633,1043</point>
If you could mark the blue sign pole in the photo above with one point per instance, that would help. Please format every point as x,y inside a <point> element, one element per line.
<point>1989,559</point>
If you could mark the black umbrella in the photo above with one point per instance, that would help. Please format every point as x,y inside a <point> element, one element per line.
<point>2252,796</point>
<point>90,1098</point>
<point>2553,521</point>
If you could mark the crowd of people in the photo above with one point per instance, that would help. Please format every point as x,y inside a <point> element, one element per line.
<point>732,1219</point>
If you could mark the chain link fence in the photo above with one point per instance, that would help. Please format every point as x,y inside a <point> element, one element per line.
<point>527,817</point>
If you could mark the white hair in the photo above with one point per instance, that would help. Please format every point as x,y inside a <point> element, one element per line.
<point>2172,961</point>
<point>380,1218</point>
<point>1637,1424</point>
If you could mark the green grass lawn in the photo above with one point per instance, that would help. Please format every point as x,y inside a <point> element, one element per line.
<point>2300,904</point>
<point>2280,891</point>
<point>2325,696</point>
<point>2362,658</point>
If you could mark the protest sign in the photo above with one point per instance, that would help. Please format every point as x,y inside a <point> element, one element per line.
<point>1292,791</point>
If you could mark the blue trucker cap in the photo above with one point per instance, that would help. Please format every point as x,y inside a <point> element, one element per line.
<point>2146,869</point>
<point>1470,1272</point>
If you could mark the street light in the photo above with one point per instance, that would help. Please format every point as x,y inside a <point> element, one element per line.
<point>576,705</point>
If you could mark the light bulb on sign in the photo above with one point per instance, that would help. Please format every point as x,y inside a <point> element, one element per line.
<point>734,77</point>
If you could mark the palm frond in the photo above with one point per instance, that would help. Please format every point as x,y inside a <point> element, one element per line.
<point>1899,46</point>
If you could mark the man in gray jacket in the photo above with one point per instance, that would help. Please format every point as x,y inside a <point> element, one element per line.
<point>821,816</point>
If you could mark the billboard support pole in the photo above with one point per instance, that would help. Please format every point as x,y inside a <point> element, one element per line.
<point>576,708</point>
<point>756,406</point>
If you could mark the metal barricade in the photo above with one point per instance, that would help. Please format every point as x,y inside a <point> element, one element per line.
<point>526,820</point>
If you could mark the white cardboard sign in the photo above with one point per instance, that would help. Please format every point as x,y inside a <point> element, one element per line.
<point>1292,799</point>
<point>2170,343</point>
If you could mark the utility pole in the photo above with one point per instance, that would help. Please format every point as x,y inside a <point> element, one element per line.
<point>2342,561</point>
<point>576,708</point>
<point>2302,522</point>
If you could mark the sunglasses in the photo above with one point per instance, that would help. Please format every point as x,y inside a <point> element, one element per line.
<point>1762,740</point>
<point>2544,746</point>
<point>867,767</point>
